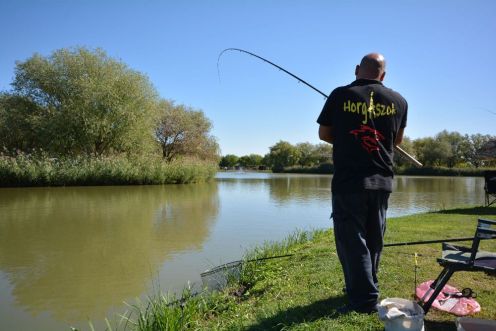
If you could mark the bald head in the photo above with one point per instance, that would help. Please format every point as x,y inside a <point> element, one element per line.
<point>372,66</point>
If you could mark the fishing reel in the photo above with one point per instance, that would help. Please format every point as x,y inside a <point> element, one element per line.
<point>465,293</point>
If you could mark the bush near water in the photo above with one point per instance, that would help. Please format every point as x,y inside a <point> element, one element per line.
<point>80,117</point>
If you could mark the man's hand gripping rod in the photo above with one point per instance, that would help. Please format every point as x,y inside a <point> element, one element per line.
<point>399,149</point>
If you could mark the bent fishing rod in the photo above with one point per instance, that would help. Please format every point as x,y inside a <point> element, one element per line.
<point>399,149</point>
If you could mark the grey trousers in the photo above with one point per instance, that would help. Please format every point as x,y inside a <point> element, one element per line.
<point>359,226</point>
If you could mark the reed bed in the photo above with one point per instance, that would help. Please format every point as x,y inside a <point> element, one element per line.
<point>41,170</point>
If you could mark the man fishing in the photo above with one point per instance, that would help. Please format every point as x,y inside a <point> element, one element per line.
<point>364,121</point>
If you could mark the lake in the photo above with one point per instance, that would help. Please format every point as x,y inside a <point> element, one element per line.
<point>73,254</point>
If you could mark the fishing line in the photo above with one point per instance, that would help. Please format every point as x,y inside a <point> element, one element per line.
<point>271,63</point>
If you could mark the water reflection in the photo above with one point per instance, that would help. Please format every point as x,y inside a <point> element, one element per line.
<point>76,252</point>
<point>410,194</point>
<point>283,188</point>
<point>301,188</point>
<point>421,194</point>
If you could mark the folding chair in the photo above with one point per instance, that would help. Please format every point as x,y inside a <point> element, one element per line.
<point>490,186</point>
<point>458,258</point>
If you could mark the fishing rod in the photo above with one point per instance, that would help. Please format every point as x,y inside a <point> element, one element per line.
<point>399,149</point>
<point>405,243</point>
<point>234,265</point>
<point>424,242</point>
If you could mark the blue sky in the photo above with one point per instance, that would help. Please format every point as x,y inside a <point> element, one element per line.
<point>440,56</point>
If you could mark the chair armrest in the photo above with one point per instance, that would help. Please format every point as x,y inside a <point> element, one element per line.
<point>486,229</point>
<point>485,221</point>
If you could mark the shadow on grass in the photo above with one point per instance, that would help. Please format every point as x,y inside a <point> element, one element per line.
<point>439,325</point>
<point>469,211</point>
<point>302,314</point>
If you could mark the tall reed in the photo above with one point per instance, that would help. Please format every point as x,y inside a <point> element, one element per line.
<point>41,170</point>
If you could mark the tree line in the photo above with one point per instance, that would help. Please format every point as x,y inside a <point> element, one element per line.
<point>81,102</point>
<point>282,155</point>
<point>448,149</point>
<point>445,149</point>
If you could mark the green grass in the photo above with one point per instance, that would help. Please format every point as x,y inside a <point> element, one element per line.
<point>41,170</point>
<point>303,291</point>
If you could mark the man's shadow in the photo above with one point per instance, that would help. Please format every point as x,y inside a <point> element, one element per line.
<point>302,314</point>
<point>324,309</point>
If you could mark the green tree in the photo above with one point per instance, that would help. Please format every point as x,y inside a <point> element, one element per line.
<point>78,101</point>
<point>183,131</point>
<point>308,156</point>
<point>323,153</point>
<point>475,142</point>
<point>244,161</point>
<point>252,160</point>
<point>432,152</point>
<point>18,124</point>
<point>229,161</point>
<point>456,144</point>
<point>255,160</point>
<point>281,155</point>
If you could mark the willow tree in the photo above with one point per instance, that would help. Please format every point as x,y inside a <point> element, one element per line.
<point>185,132</point>
<point>79,101</point>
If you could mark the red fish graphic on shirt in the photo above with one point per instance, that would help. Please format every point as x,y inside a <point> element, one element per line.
<point>369,137</point>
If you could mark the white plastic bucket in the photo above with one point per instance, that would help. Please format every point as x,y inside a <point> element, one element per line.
<point>401,314</point>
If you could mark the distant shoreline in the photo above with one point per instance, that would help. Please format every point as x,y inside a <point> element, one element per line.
<point>425,171</point>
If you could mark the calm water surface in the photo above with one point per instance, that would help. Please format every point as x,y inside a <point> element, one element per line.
<point>69,255</point>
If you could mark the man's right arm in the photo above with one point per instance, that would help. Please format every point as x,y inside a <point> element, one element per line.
<point>325,133</point>
<point>326,118</point>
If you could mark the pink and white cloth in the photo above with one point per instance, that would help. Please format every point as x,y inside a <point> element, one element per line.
<point>460,306</point>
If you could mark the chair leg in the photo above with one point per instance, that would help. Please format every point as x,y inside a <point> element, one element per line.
<point>436,287</point>
<point>490,203</point>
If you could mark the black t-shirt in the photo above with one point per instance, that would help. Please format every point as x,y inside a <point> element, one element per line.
<point>365,117</point>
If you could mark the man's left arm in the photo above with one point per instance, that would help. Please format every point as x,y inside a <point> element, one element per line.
<point>325,133</point>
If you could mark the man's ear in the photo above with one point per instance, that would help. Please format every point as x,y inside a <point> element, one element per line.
<point>357,68</point>
<point>382,76</point>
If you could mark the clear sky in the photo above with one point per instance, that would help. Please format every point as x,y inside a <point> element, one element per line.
<point>440,56</point>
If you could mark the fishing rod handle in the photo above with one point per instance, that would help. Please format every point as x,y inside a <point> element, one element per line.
<point>408,156</point>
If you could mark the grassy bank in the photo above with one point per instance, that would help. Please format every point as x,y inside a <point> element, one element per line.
<point>40,170</point>
<point>424,171</point>
<point>302,292</point>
